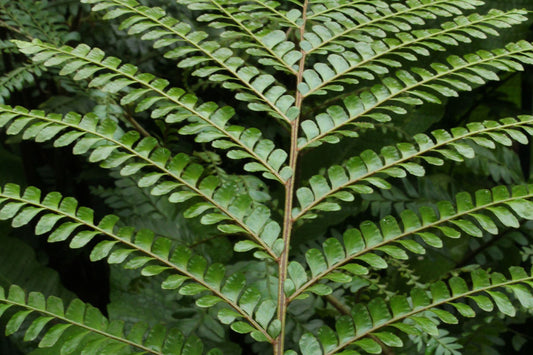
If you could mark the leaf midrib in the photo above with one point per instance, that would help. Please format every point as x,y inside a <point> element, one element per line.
<point>427,308</point>
<point>253,36</point>
<point>418,154</point>
<point>81,325</point>
<point>209,199</point>
<point>402,45</point>
<point>222,64</point>
<point>407,88</point>
<point>146,252</point>
<point>335,8</point>
<point>378,19</point>
<point>275,11</point>
<point>400,236</point>
<point>177,102</point>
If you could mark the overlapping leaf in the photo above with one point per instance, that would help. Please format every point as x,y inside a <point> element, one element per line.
<point>318,8</point>
<point>177,176</point>
<point>17,79</point>
<point>261,90</point>
<point>81,328</point>
<point>360,174</point>
<point>407,314</point>
<point>414,87</point>
<point>35,20</point>
<point>472,217</point>
<point>346,42</point>
<point>252,29</point>
<point>190,274</point>
<point>362,22</point>
<point>261,9</point>
<point>367,61</point>
<point>207,121</point>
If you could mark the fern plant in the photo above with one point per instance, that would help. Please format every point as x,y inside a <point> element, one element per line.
<point>309,96</point>
<point>27,20</point>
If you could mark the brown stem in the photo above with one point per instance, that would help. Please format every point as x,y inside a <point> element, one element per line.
<point>332,300</point>
<point>288,221</point>
<point>137,125</point>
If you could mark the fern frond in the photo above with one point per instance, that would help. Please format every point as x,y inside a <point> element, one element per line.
<point>271,46</point>
<point>271,10</point>
<point>352,24</point>
<point>332,7</point>
<point>444,344</point>
<point>8,47</point>
<point>209,122</point>
<point>360,173</point>
<point>35,20</point>
<point>406,314</point>
<point>83,329</point>
<point>262,90</point>
<point>367,60</point>
<point>137,206</point>
<point>168,174</point>
<point>17,79</point>
<point>371,62</point>
<point>360,244</point>
<point>383,100</point>
<point>136,250</point>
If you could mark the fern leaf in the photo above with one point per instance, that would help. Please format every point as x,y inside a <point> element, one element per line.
<point>368,60</point>
<point>82,328</point>
<point>375,21</point>
<point>271,46</point>
<point>321,9</point>
<point>407,314</point>
<point>361,173</point>
<point>35,20</point>
<point>209,122</point>
<point>263,92</point>
<point>167,174</point>
<point>17,79</point>
<point>466,217</point>
<point>190,273</point>
<point>275,57</point>
<point>271,10</point>
<point>388,98</point>
<point>444,344</point>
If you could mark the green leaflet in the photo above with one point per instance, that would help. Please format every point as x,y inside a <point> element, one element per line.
<point>18,77</point>
<point>273,45</point>
<point>371,59</point>
<point>368,170</point>
<point>414,87</point>
<point>134,249</point>
<point>82,327</point>
<point>51,25</point>
<point>156,25</point>
<point>407,313</point>
<point>209,121</point>
<point>165,174</point>
<point>299,74</point>
<point>381,18</point>
<point>371,241</point>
